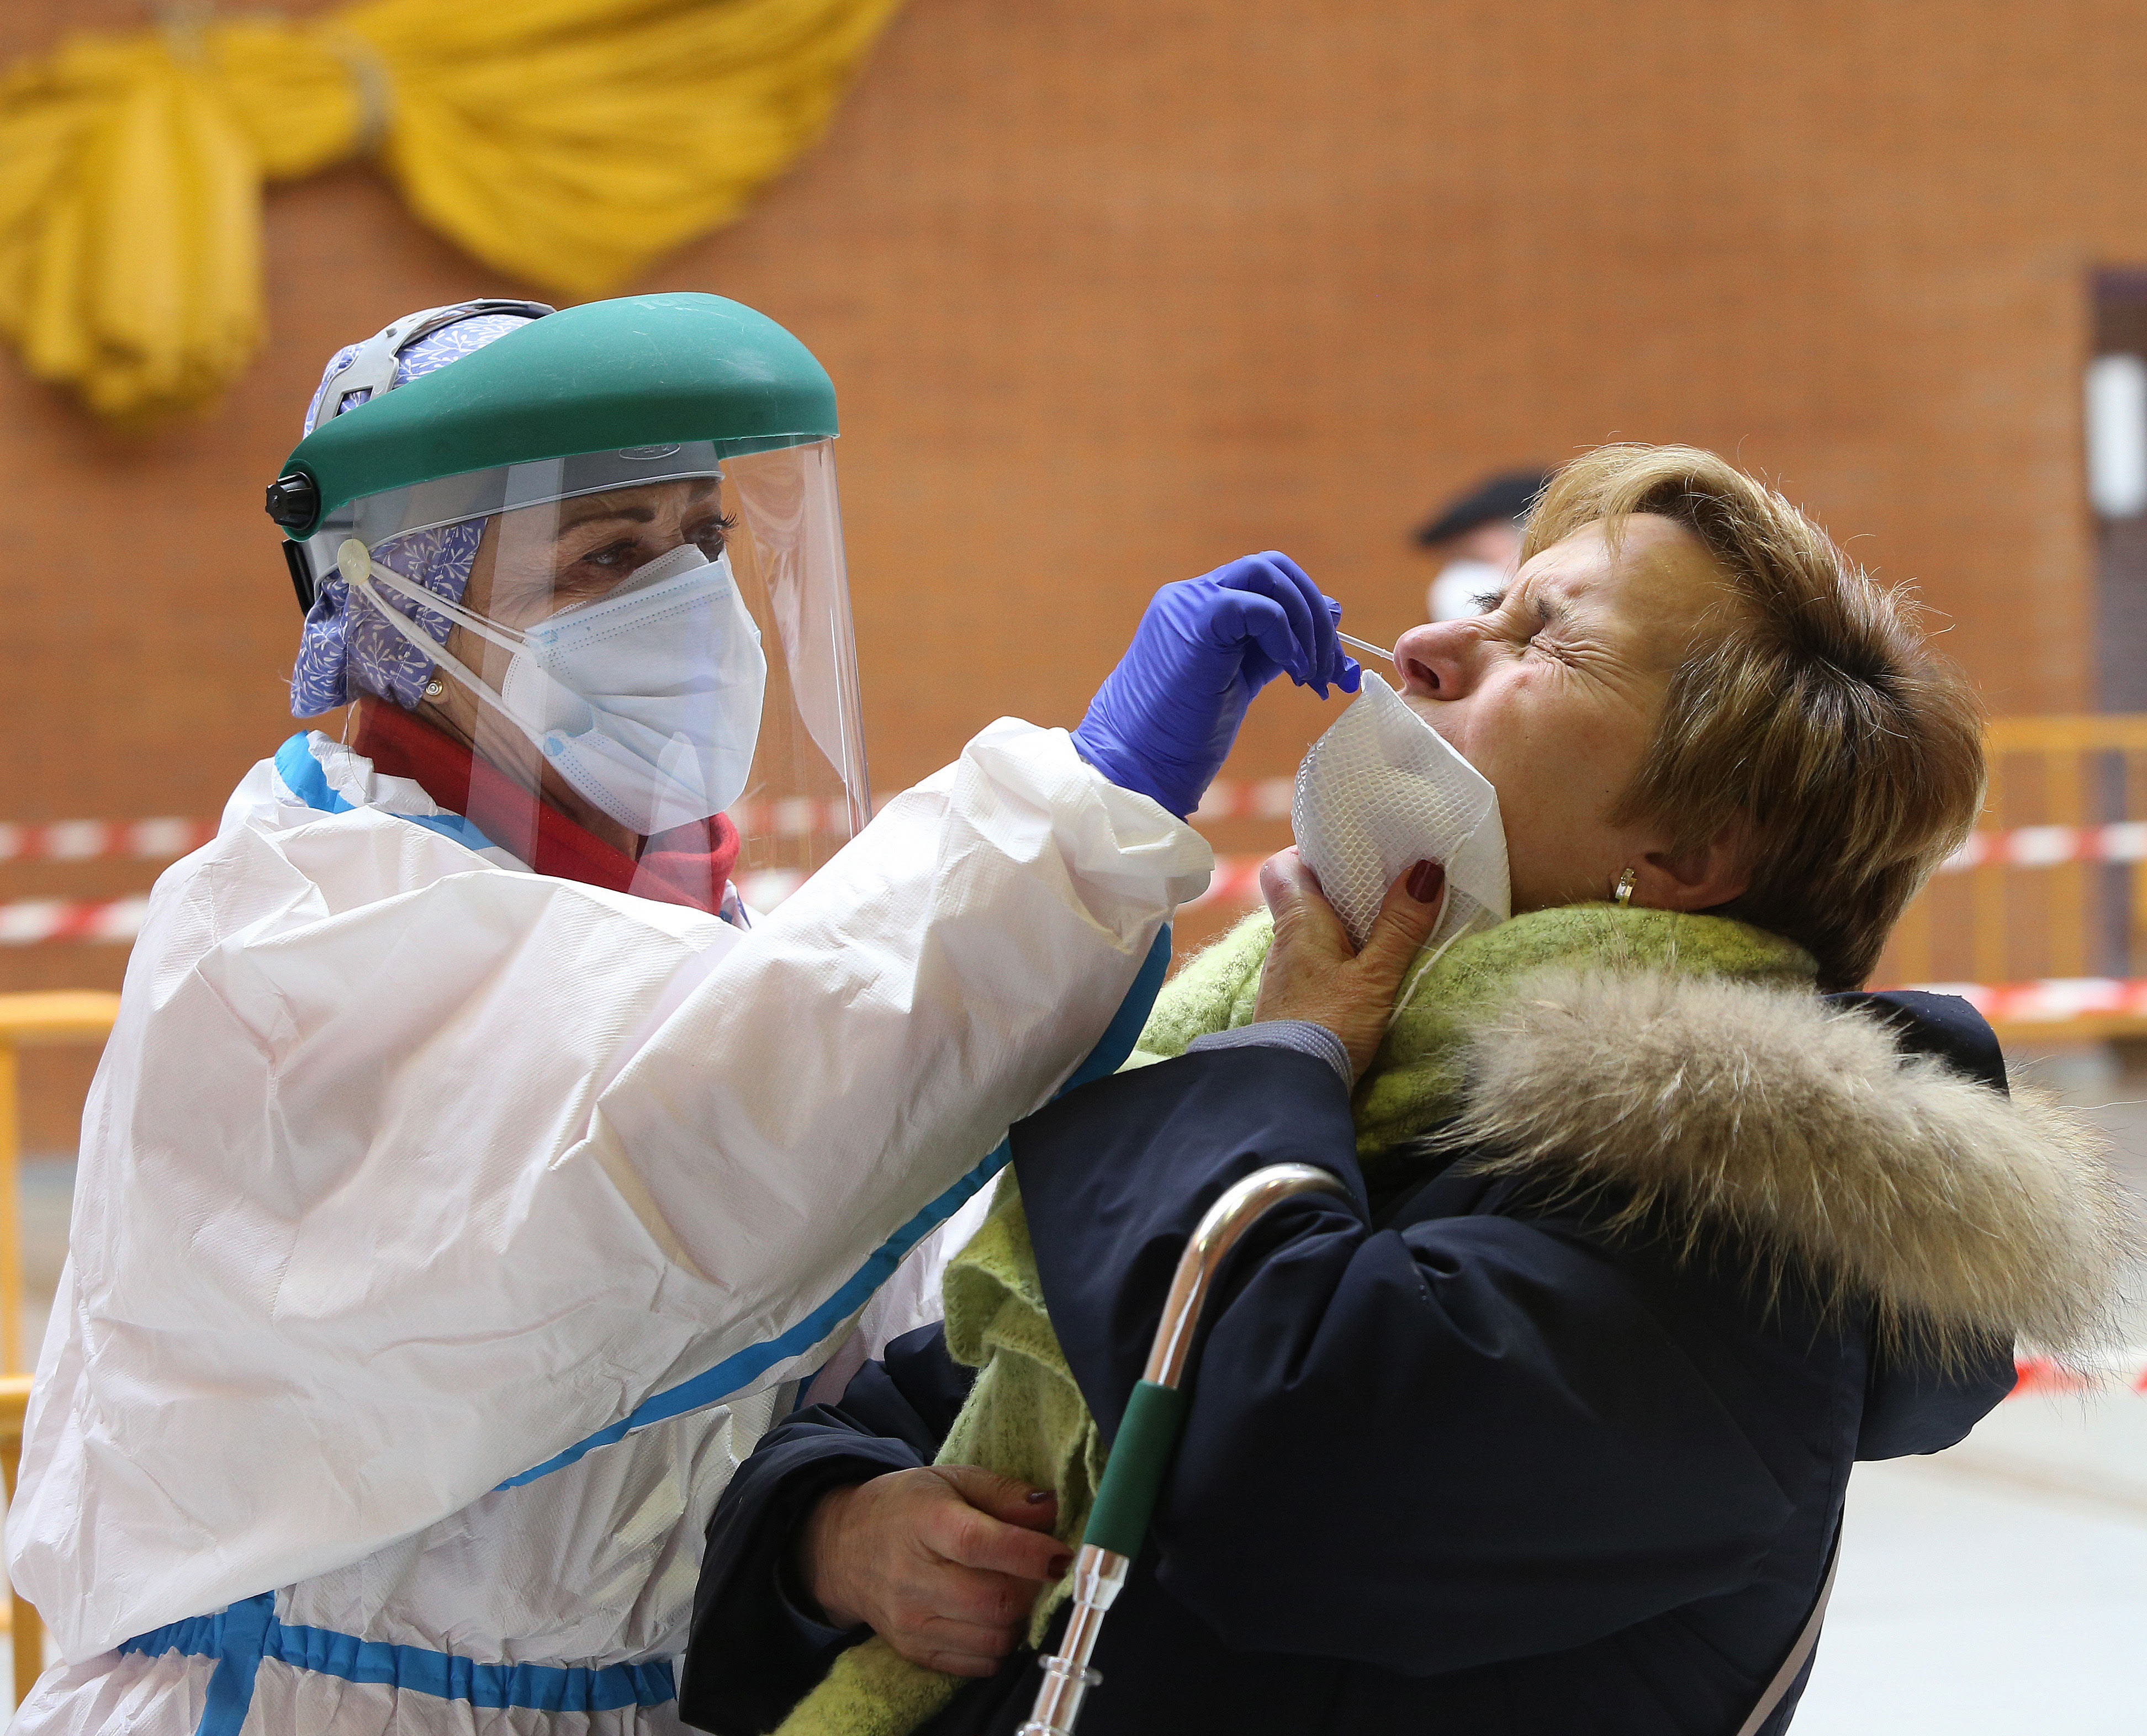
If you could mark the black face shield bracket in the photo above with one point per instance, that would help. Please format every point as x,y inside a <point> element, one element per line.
<point>294,500</point>
<point>302,574</point>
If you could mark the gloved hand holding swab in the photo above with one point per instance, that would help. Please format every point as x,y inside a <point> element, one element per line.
<point>1165,719</point>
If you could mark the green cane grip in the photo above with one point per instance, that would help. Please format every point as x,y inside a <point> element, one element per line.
<point>1134,1473</point>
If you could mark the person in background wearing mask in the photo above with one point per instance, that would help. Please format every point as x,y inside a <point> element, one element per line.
<point>473,1169</point>
<point>1477,542</point>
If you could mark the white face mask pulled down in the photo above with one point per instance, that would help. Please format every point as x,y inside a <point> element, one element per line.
<point>647,700</point>
<point>1382,790</point>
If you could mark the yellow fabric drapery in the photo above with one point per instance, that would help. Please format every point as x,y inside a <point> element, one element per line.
<point>566,142</point>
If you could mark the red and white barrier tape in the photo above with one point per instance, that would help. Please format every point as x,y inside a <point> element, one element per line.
<point>157,840</point>
<point>2028,846</point>
<point>2048,845</point>
<point>1236,880</point>
<point>1259,799</point>
<point>1262,798</point>
<point>2041,1374</point>
<point>2053,1000</point>
<point>1265,798</point>
<point>1269,798</point>
<point>31,920</point>
<point>796,817</point>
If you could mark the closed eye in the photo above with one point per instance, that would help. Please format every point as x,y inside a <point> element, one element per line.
<point>1546,631</point>
<point>1533,613</point>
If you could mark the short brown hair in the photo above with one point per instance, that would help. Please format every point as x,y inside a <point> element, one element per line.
<point>1810,714</point>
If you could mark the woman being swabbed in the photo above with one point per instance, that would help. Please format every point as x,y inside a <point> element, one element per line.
<point>1656,1222</point>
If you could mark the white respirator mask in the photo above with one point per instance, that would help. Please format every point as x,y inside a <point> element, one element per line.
<point>1382,790</point>
<point>647,700</point>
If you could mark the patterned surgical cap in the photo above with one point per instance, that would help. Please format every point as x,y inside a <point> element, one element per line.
<point>344,651</point>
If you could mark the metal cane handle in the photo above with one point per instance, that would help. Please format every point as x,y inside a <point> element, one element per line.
<point>1221,1226</point>
<point>1140,1453</point>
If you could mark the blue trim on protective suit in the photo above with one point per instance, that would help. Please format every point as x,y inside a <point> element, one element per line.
<point>230,1688</point>
<point>240,1637</point>
<point>236,1638</point>
<point>198,1636</point>
<point>302,776</point>
<point>737,1371</point>
<point>540,1687</point>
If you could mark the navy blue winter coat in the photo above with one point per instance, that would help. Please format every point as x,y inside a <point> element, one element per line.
<point>1559,1447</point>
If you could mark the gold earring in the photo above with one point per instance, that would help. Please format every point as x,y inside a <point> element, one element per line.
<point>1623,895</point>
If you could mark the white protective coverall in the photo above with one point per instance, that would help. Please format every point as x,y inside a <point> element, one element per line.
<point>444,1231</point>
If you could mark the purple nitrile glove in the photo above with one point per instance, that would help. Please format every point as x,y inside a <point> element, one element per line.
<point>1164,720</point>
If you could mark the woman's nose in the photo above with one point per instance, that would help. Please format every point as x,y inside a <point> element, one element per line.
<point>1439,660</point>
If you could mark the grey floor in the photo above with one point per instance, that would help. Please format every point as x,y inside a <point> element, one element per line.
<point>2001,1586</point>
<point>1994,1589</point>
<point>1976,1598</point>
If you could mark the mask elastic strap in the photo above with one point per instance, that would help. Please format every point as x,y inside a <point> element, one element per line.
<point>362,585</point>
<point>361,568</point>
<point>1416,976</point>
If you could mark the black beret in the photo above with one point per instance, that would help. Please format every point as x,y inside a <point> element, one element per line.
<point>1509,495</point>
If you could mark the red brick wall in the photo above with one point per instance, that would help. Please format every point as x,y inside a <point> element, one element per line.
<point>1115,289</point>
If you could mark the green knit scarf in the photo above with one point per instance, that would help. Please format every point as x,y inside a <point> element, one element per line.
<point>1025,1416</point>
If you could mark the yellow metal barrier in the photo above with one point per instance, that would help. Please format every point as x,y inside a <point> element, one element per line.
<point>24,1627</point>
<point>72,1015</point>
<point>2047,911</point>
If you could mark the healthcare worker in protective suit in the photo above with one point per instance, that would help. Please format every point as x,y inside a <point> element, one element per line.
<point>473,1168</point>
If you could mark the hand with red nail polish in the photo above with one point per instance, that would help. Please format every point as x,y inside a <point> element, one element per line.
<point>943,1563</point>
<point>1313,973</point>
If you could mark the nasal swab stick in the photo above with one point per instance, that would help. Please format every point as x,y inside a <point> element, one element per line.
<point>1381,651</point>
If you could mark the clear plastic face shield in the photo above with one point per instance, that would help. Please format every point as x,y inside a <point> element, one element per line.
<point>636,641</point>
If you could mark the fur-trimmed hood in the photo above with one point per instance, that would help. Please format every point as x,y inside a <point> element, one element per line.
<point>1806,1130</point>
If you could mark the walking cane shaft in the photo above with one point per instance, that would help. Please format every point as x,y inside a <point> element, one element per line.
<point>1141,1451</point>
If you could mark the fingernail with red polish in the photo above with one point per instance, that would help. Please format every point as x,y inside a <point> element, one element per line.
<point>1425,881</point>
<point>1035,1497</point>
<point>1059,1563</point>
